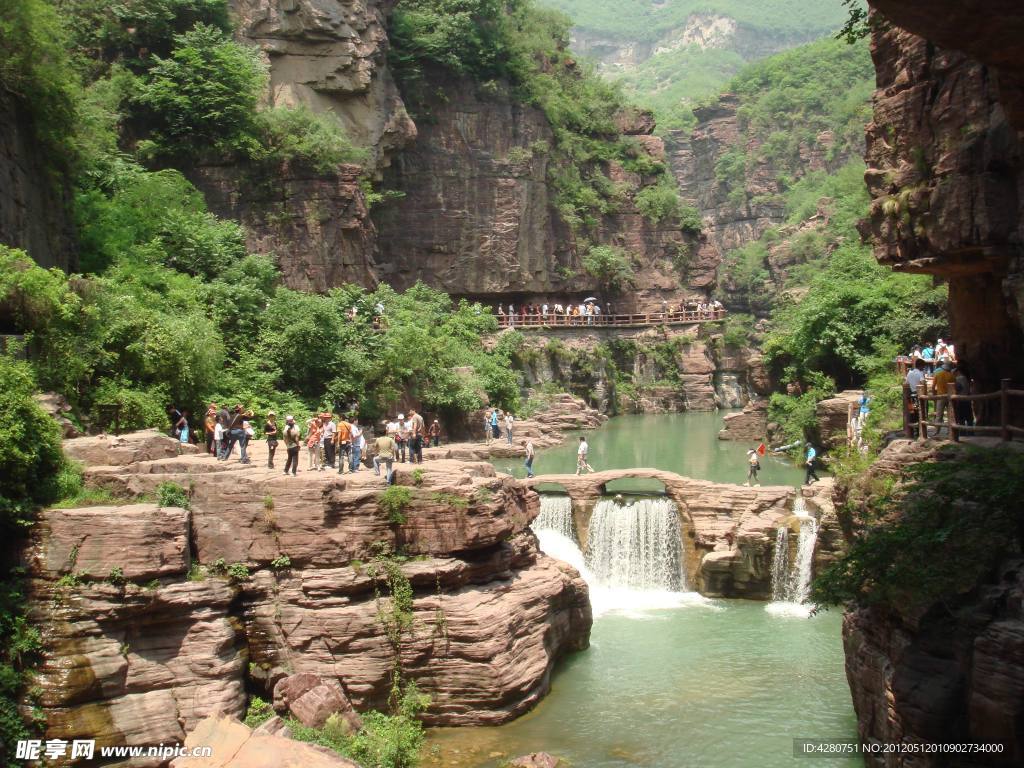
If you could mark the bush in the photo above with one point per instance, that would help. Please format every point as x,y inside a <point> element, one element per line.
<point>934,536</point>
<point>258,712</point>
<point>172,495</point>
<point>393,502</point>
<point>31,459</point>
<point>611,266</point>
<point>392,741</point>
<point>289,134</point>
<point>203,96</point>
<point>659,201</point>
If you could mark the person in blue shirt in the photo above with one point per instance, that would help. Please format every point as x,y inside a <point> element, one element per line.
<point>495,429</point>
<point>809,458</point>
<point>928,355</point>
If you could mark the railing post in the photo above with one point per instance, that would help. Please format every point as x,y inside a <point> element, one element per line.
<point>922,411</point>
<point>1004,408</point>
<point>908,429</point>
<point>950,407</point>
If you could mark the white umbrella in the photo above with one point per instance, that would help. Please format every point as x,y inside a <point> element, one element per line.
<point>590,298</point>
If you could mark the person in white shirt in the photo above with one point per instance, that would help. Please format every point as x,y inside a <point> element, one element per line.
<point>327,431</point>
<point>358,445</point>
<point>544,311</point>
<point>509,421</point>
<point>581,457</point>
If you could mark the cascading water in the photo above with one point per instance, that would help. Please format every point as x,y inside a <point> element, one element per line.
<point>791,582</point>
<point>555,515</point>
<point>635,558</point>
<point>636,545</point>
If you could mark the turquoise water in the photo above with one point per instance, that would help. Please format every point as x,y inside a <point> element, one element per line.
<point>684,443</point>
<point>681,682</point>
<point>712,684</point>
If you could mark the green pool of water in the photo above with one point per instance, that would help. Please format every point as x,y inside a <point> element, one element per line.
<point>714,684</point>
<point>684,443</point>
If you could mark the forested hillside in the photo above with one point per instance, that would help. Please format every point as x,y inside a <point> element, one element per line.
<point>671,55</point>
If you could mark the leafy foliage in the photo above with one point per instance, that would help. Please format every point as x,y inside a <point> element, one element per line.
<point>299,134</point>
<point>611,266</point>
<point>172,495</point>
<point>393,502</point>
<point>932,536</point>
<point>30,453</point>
<point>203,95</point>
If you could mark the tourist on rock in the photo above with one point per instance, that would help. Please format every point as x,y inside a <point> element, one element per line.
<point>581,457</point>
<point>358,445</point>
<point>270,432</point>
<point>174,414</point>
<point>236,434</point>
<point>863,407</point>
<point>184,433</point>
<point>313,444</point>
<point>402,436</point>
<point>384,453</point>
<point>487,427</point>
<point>343,440</point>
<point>247,435</point>
<point>495,429</point>
<point>529,458</point>
<point>417,431</point>
<point>210,428</point>
<point>218,439</point>
<point>328,429</point>
<point>292,440</point>
<point>435,433</point>
<point>510,420</point>
<point>809,459</point>
<point>753,466</point>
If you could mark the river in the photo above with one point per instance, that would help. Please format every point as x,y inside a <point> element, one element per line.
<point>674,680</point>
<point>684,443</point>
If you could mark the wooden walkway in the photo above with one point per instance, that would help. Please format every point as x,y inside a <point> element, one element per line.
<point>638,320</point>
<point>916,417</point>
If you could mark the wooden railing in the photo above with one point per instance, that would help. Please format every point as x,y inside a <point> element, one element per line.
<point>552,320</point>
<point>919,407</point>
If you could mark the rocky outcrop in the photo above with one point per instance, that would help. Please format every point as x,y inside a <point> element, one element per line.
<point>147,630</point>
<point>832,417</point>
<point>945,168</point>
<point>331,56</point>
<point>234,745</point>
<point>34,201</point>
<point>749,425</point>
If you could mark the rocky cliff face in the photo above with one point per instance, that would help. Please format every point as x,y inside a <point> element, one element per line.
<point>732,220</point>
<point>34,200</point>
<point>951,672</point>
<point>141,654</point>
<point>946,170</point>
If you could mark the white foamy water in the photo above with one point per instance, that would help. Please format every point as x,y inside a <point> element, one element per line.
<point>791,582</point>
<point>637,559</point>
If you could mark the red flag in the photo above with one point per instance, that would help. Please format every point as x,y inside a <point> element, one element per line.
<point>761,449</point>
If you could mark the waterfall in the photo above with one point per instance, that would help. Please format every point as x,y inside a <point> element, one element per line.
<point>791,582</point>
<point>637,545</point>
<point>555,515</point>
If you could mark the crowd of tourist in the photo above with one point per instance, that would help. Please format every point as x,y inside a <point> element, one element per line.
<point>589,312</point>
<point>936,369</point>
<point>331,442</point>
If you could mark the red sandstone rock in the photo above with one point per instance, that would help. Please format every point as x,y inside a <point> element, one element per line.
<point>315,706</point>
<point>536,760</point>
<point>234,745</point>
<point>120,450</point>
<point>290,688</point>
<point>750,424</point>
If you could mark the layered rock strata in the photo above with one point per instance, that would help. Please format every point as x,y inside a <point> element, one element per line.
<point>140,643</point>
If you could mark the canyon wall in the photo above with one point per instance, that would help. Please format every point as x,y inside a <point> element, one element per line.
<point>946,173</point>
<point>34,195</point>
<point>946,176</point>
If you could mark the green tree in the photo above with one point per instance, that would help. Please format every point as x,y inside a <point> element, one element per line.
<point>611,266</point>
<point>203,96</point>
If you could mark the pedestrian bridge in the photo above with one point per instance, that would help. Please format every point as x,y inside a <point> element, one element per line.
<point>552,321</point>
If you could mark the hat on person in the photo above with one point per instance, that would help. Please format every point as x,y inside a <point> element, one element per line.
<point>401,415</point>
<point>289,418</point>
<point>271,413</point>
<point>435,421</point>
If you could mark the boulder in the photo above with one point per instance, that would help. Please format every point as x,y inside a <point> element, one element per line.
<point>750,424</point>
<point>275,726</point>
<point>535,760</point>
<point>289,689</point>
<point>56,406</point>
<point>833,416</point>
<point>235,745</point>
<point>315,706</point>
<point>130,448</point>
